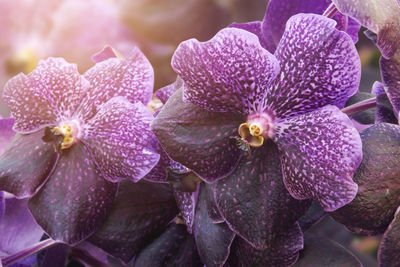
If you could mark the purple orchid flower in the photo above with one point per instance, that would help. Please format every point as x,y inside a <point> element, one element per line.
<point>243,113</point>
<point>77,136</point>
<point>278,12</point>
<point>382,18</point>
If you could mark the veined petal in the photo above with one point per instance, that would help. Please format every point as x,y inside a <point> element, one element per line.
<point>229,73</point>
<point>48,94</point>
<point>26,164</point>
<point>382,17</point>
<point>378,179</point>
<point>254,201</point>
<point>389,250</point>
<point>319,66</point>
<point>121,141</point>
<point>284,251</point>
<point>320,152</point>
<point>75,200</point>
<point>132,78</point>
<point>197,138</point>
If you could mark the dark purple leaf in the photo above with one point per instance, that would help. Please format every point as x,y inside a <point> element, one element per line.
<point>283,251</point>
<point>313,215</point>
<point>141,211</point>
<point>320,251</point>
<point>174,247</point>
<point>213,240</point>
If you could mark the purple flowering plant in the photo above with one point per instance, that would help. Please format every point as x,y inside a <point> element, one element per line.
<point>263,136</point>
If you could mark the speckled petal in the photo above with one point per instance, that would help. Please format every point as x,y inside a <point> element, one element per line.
<point>382,17</point>
<point>284,251</point>
<point>26,164</point>
<point>320,152</point>
<point>390,69</point>
<point>254,201</point>
<point>167,91</point>
<point>353,27</point>
<point>279,12</point>
<point>158,173</point>
<point>139,213</point>
<point>48,94</point>
<point>264,34</point>
<point>319,66</point>
<point>319,251</point>
<point>187,203</point>
<point>378,179</point>
<point>230,72</point>
<point>76,198</point>
<point>132,78</point>
<point>384,108</point>
<point>389,250</point>
<point>2,204</point>
<point>213,240</point>
<point>121,141</point>
<point>197,138</point>
<point>175,247</point>
<point>6,133</point>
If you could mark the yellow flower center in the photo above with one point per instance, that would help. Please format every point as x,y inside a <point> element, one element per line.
<point>258,126</point>
<point>70,132</point>
<point>255,129</point>
<point>251,134</point>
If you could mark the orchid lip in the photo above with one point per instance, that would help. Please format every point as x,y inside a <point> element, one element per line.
<point>258,127</point>
<point>71,132</point>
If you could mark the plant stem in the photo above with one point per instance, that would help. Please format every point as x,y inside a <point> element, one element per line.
<point>28,251</point>
<point>330,11</point>
<point>360,106</point>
